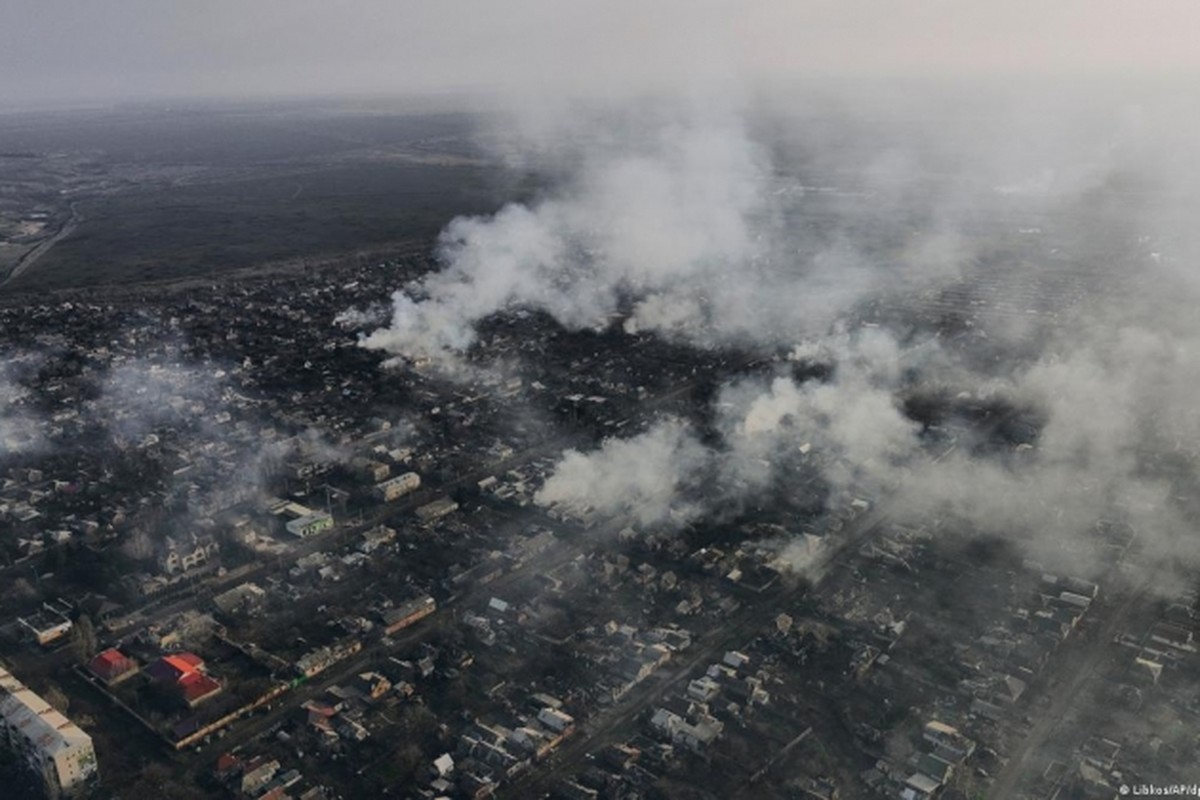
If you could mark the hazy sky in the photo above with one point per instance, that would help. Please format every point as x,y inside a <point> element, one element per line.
<point>72,50</point>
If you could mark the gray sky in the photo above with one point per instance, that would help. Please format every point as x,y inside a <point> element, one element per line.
<point>71,50</point>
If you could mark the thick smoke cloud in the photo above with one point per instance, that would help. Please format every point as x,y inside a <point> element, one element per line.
<point>681,223</point>
<point>851,426</point>
<point>671,219</point>
<point>1118,445</point>
<point>764,219</point>
<point>852,422</point>
<point>724,217</point>
<point>648,478</point>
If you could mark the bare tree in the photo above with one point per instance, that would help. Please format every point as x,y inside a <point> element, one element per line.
<point>57,699</point>
<point>85,638</point>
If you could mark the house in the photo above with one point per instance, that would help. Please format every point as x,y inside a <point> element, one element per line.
<point>397,487</point>
<point>981,708</point>
<point>570,790</point>
<point>542,700</point>
<point>372,470</point>
<point>257,776</point>
<point>321,659</point>
<point>488,746</point>
<point>431,512</point>
<point>443,765</point>
<point>183,553</point>
<point>1147,670</point>
<point>298,520</point>
<point>112,666</point>
<point>400,617</point>
<point>46,626</point>
<point>352,730</point>
<point>309,524</point>
<point>930,765</point>
<point>373,685</point>
<point>703,689</point>
<point>228,765</point>
<point>620,756</point>
<point>1009,689</point>
<point>1080,586</point>
<point>695,736</point>
<point>376,537</point>
<point>498,605</point>
<point>951,745</point>
<point>184,674</point>
<point>921,786</point>
<point>320,716</point>
<point>556,721</point>
<point>1177,636</point>
<point>244,597</point>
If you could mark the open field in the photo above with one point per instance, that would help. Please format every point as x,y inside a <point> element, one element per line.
<point>192,230</point>
<point>130,195</point>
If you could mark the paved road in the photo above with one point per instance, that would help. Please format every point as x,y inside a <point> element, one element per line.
<point>34,255</point>
<point>618,723</point>
<point>1078,667</point>
<point>244,731</point>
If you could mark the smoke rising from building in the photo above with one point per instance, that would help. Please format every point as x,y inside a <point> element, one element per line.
<point>649,478</point>
<point>17,433</point>
<point>668,220</point>
<point>778,220</point>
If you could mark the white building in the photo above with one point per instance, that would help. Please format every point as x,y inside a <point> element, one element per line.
<point>183,553</point>
<point>695,736</point>
<point>47,626</point>
<point>398,487</point>
<point>310,524</point>
<point>300,521</point>
<point>49,743</point>
<point>439,508</point>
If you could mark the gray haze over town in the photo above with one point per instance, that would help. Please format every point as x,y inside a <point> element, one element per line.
<point>599,401</point>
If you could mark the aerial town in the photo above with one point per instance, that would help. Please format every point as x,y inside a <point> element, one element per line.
<point>277,569</point>
<point>666,400</point>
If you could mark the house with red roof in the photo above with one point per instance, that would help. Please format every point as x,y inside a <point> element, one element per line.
<point>112,666</point>
<point>228,765</point>
<point>185,673</point>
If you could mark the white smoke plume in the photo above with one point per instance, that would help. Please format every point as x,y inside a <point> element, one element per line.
<point>649,478</point>
<point>721,227</point>
<point>139,395</point>
<point>852,427</point>
<point>693,217</point>
<point>668,220</point>
<point>360,318</point>
<point>1120,442</point>
<point>852,423</point>
<point>20,431</point>
<point>1114,409</point>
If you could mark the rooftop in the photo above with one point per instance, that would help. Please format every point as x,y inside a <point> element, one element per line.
<point>28,713</point>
